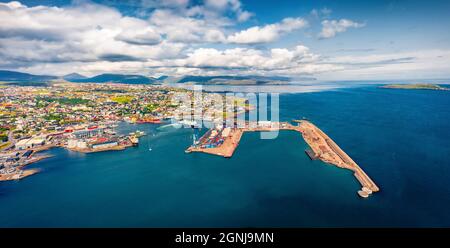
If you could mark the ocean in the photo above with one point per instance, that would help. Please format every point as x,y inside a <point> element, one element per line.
<point>401,138</point>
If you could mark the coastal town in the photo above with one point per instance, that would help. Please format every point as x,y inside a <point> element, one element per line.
<point>83,117</point>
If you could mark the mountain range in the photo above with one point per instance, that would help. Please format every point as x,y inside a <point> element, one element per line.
<point>13,76</point>
<point>116,78</point>
<point>73,76</point>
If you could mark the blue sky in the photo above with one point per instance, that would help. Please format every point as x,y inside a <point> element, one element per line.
<point>329,40</point>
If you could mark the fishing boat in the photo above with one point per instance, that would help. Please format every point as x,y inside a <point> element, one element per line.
<point>134,140</point>
<point>149,120</point>
<point>139,133</point>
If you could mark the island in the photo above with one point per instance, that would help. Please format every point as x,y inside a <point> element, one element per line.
<point>421,86</point>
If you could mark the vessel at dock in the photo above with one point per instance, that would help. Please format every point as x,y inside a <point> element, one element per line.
<point>149,120</point>
<point>134,140</point>
<point>138,133</point>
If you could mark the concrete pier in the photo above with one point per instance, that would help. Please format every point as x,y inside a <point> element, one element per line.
<point>322,146</point>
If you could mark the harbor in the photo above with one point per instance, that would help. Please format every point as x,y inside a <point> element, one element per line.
<point>13,164</point>
<point>88,138</point>
<point>224,141</point>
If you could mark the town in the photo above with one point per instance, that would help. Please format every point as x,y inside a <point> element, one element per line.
<point>82,117</point>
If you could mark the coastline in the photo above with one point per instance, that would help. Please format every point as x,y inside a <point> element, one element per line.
<point>329,152</point>
<point>322,146</point>
<point>20,172</point>
<point>17,176</point>
<point>90,150</point>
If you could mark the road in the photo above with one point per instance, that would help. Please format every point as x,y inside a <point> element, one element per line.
<point>11,141</point>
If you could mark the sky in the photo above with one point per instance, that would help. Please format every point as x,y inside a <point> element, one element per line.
<point>327,40</point>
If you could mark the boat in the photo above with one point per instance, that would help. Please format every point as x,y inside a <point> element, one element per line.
<point>149,120</point>
<point>363,194</point>
<point>139,133</point>
<point>134,140</point>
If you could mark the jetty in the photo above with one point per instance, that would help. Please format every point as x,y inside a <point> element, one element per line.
<point>103,149</point>
<point>224,143</point>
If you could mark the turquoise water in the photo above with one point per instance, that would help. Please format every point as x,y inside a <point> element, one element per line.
<point>400,138</point>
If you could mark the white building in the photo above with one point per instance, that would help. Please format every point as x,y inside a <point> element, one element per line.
<point>30,143</point>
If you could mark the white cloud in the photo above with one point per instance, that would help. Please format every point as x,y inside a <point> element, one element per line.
<point>165,3</point>
<point>267,33</point>
<point>297,61</point>
<point>145,36</point>
<point>432,63</point>
<point>179,39</point>
<point>82,32</point>
<point>234,5</point>
<point>322,13</point>
<point>332,27</point>
<point>187,29</point>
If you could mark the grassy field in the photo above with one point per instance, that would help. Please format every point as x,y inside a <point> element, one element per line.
<point>3,145</point>
<point>122,99</point>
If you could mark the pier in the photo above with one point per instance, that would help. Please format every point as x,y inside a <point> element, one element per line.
<point>322,147</point>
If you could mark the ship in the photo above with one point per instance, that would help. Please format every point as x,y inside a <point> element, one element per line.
<point>134,140</point>
<point>137,134</point>
<point>149,120</point>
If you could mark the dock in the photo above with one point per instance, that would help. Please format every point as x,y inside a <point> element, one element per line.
<point>91,150</point>
<point>311,154</point>
<point>321,147</point>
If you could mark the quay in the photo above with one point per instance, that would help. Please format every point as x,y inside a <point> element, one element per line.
<point>105,149</point>
<point>18,172</point>
<point>311,154</point>
<point>322,147</point>
<point>18,175</point>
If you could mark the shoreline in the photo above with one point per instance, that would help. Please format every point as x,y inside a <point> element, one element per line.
<point>21,172</point>
<point>18,176</point>
<point>329,152</point>
<point>90,150</point>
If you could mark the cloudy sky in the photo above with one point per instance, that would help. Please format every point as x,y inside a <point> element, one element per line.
<point>329,40</point>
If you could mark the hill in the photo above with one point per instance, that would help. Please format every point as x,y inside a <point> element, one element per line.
<point>234,80</point>
<point>116,78</point>
<point>14,76</point>
<point>73,76</point>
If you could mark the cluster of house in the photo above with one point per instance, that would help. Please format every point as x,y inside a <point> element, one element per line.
<point>9,162</point>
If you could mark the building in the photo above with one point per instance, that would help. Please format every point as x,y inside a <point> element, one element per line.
<point>30,143</point>
<point>74,143</point>
<point>83,134</point>
<point>105,145</point>
<point>226,132</point>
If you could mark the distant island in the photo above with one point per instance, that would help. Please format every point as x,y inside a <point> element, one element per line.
<point>415,86</point>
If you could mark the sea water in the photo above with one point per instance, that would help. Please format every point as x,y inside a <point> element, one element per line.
<point>401,138</point>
